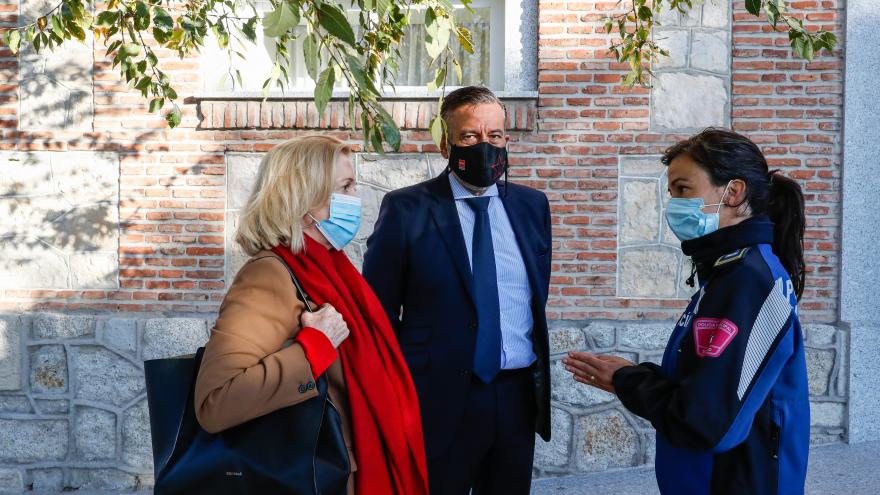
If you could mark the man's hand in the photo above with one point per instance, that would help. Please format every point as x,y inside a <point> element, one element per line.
<point>596,370</point>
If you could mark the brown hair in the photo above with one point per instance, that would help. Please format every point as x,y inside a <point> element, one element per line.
<point>468,95</point>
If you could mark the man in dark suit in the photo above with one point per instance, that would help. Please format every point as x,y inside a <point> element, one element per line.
<point>461,264</point>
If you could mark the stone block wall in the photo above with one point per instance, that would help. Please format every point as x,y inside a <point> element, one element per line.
<point>73,410</point>
<point>73,407</point>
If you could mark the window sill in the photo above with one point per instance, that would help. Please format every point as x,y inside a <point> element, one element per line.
<point>412,110</point>
<point>400,94</point>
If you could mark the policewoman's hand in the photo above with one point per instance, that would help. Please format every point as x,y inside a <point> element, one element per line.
<point>596,370</point>
<point>327,321</point>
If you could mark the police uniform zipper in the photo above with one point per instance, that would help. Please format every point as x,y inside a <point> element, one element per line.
<point>775,440</point>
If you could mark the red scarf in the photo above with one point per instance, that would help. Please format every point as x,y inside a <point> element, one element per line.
<point>386,423</point>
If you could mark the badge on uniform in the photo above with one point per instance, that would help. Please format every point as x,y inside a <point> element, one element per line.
<point>712,335</point>
<point>731,257</point>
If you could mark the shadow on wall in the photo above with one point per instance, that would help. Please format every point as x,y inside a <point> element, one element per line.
<point>60,211</point>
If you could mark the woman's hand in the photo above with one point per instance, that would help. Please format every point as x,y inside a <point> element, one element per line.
<point>327,321</point>
<point>595,369</point>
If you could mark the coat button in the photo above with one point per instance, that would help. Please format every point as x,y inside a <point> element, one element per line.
<point>473,326</point>
<point>303,389</point>
<point>465,372</point>
<point>311,386</point>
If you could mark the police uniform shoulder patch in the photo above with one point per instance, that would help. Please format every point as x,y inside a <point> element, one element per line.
<point>731,257</point>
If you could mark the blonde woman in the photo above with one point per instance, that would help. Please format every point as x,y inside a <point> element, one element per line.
<point>303,210</point>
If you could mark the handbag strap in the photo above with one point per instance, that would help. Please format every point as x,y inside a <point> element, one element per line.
<point>300,292</point>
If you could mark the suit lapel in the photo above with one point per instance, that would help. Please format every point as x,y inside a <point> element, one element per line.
<point>446,218</point>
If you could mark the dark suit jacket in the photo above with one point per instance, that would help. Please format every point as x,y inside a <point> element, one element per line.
<point>417,263</point>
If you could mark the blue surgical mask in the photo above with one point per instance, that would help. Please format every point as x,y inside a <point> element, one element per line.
<point>344,222</point>
<point>687,220</point>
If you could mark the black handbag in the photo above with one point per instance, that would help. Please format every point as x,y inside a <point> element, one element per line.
<point>297,450</point>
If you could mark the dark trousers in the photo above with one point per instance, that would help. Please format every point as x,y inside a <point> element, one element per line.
<point>494,447</point>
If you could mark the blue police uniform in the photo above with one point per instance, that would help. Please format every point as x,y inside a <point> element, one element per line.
<point>730,402</point>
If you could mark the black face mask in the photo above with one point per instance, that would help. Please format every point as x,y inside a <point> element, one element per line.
<point>479,165</point>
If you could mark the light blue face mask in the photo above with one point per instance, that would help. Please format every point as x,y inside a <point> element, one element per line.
<point>344,222</point>
<point>686,218</point>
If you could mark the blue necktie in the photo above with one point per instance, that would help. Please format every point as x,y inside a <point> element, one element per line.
<point>487,355</point>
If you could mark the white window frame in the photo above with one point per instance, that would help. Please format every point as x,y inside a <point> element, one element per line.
<point>513,69</point>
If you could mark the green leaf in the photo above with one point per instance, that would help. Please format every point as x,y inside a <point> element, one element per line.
<point>439,77</point>
<point>466,39</point>
<point>221,35</point>
<point>828,39</point>
<point>808,49</point>
<point>107,18</point>
<point>161,36</point>
<point>280,20</point>
<point>333,20</point>
<point>352,111</point>
<point>310,54</point>
<point>324,89</point>
<point>13,40</point>
<point>57,27</point>
<point>143,84</point>
<point>645,13</point>
<point>630,78</point>
<point>390,132</point>
<point>797,45</point>
<point>77,32</point>
<point>382,7</point>
<point>161,18</point>
<point>437,129</point>
<point>431,22</point>
<point>141,16</point>
<point>249,29</point>
<point>131,49</point>
<point>376,139</point>
<point>753,6</point>
<point>173,117</point>
<point>457,68</point>
<point>366,84</point>
<point>437,42</point>
<point>156,104</point>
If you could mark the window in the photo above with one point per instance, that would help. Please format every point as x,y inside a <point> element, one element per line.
<point>494,63</point>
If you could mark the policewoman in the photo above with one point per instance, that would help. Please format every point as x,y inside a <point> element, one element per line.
<point>730,401</point>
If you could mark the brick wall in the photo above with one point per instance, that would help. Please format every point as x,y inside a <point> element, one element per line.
<point>172,183</point>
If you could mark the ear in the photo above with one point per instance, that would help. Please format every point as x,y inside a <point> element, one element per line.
<point>736,194</point>
<point>444,150</point>
<point>506,140</point>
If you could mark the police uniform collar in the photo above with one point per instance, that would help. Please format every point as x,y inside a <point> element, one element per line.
<point>706,249</point>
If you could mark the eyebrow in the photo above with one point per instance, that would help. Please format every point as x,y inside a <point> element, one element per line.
<point>474,131</point>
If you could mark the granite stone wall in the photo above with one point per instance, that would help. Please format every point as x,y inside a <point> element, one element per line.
<point>73,410</point>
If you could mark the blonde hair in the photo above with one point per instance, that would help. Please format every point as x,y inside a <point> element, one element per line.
<point>295,177</point>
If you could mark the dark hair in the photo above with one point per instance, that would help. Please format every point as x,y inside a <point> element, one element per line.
<point>468,95</point>
<point>726,156</point>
